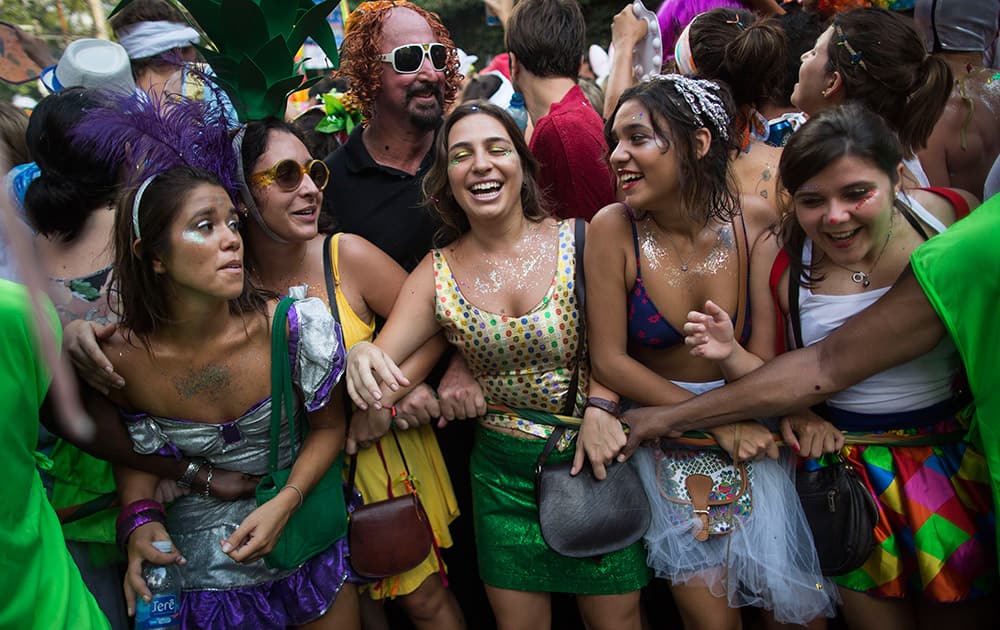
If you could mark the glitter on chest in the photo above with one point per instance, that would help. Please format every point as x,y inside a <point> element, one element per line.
<point>522,272</point>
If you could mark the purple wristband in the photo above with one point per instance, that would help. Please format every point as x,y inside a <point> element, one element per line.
<point>124,529</point>
<point>138,507</point>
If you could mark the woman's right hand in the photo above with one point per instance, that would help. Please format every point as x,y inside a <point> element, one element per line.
<point>627,30</point>
<point>601,439</point>
<point>710,334</point>
<point>366,426</point>
<point>140,548</point>
<point>367,366</point>
<point>81,340</point>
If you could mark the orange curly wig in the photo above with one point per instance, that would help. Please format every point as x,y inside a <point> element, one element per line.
<point>362,45</point>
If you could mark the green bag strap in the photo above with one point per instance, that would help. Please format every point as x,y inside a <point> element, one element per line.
<point>281,383</point>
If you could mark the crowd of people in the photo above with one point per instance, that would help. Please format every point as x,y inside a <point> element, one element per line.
<point>769,255</point>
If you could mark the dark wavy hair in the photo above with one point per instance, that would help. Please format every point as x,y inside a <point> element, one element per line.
<point>75,180</point>
<point>890,72</point>
<point>438,195</point>
<point>142,300</point>
<point>362,45</point>
<point>708,186</point>
<point>850,130</point>
<point>746,52</point>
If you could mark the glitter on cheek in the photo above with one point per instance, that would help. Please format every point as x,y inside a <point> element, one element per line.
<point>871,195</point>
<point>193,236</point>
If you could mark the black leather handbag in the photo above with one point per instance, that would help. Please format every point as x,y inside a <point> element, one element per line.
<point>842,515</point>
<point>581,516</point>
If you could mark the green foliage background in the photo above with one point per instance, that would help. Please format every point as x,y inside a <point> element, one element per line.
<point>464,18</point>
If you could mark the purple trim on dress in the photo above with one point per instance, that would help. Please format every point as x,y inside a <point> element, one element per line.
<point>293,336</point>
<point>325,389</point>
<point>296,599</point>
<point>169,449</point>
<point>231,433</point>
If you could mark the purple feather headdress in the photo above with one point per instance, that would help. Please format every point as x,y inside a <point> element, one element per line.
<point>151,135</point>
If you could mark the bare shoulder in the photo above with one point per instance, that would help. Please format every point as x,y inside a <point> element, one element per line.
<point>611,218</point>
<point>940,207</point>
<point>758,214</point>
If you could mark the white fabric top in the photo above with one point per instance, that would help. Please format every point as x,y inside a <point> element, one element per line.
<point>916,384</point>
<point>913,165</point>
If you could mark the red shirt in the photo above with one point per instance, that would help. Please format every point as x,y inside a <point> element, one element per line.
<point>569,144</point>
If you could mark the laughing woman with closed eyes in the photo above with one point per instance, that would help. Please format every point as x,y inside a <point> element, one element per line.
<point>502,292</point>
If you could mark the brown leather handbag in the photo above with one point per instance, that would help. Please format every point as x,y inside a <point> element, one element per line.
<point>388,537</point>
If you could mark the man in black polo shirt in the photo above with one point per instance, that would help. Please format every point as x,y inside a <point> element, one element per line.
<point>375,192</point>
<point>374,188</point>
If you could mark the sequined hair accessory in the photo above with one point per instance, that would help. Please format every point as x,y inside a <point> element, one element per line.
<point>702,96</point>
<point>842,41</point>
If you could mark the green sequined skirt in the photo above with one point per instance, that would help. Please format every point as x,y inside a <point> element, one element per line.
<point>509,544</point>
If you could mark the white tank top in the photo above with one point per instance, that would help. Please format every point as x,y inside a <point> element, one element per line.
<point>919,383</point>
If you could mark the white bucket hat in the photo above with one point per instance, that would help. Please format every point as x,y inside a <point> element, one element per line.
<point>91,63</point>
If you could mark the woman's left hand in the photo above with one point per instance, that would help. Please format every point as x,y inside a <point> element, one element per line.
<point>367,367</point>
<point>747,440</point>
<point>367,426</point>
<point>809,435</point>
<point>259,532</point>
<point>601,438</point>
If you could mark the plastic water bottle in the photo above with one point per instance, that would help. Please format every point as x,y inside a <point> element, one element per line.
<point>517,111</point>
<point>163,612</point>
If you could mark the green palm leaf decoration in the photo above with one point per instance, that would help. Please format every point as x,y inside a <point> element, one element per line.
<point>253,44</point>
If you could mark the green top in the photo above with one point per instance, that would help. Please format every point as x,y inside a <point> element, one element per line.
<point>959,271</point>
<point>40,586</point>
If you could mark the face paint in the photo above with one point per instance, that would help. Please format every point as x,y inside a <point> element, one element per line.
<point>193,236</point>
<point>871,195</point>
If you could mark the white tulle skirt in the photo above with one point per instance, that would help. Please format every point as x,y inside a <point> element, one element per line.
<point>768,561</point>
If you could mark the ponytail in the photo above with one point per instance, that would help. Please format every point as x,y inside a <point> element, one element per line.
<point>926,101</point>
<point>884,66</point>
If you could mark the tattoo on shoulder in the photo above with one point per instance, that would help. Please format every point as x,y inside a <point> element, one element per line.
<point>211,378</point>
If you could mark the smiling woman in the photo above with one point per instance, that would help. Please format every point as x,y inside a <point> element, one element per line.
<point>851,237</point>
<point>502,292</point>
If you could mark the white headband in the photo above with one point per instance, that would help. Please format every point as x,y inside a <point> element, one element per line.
<point>138,199</point>
<point>146,39</point>
<point>682,52</point>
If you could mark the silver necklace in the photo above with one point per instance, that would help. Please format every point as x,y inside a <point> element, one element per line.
<point>684,264</point>
<point>865,278</point>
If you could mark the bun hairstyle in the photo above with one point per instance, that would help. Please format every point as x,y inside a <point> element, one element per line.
<point>883,63</point>
<point>746,52</point>
<point>75,180</point>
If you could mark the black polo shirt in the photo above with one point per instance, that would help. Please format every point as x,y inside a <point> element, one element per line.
<point>379,203</point>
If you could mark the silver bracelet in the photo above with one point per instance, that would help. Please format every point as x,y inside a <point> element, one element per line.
<point>208,480</point>
<point>192,471</point>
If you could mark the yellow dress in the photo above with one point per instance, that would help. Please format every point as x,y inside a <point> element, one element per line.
<point>423,455</point>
